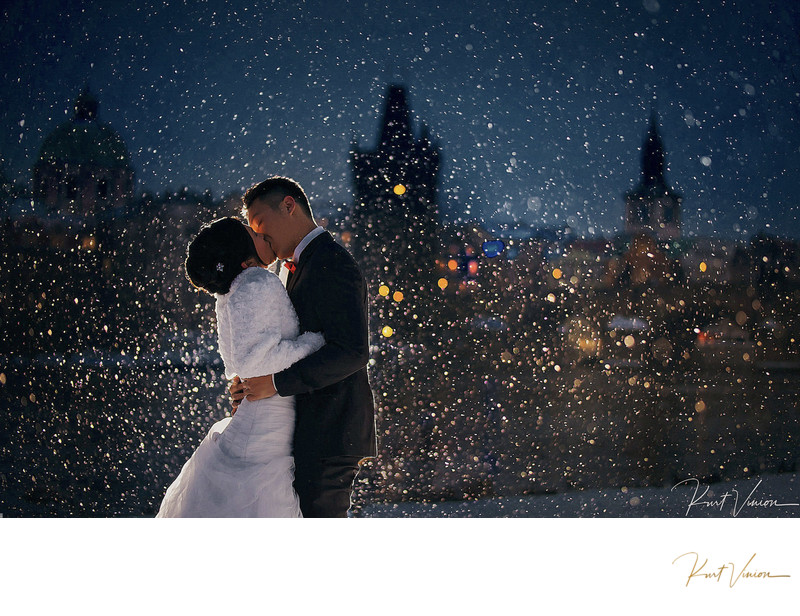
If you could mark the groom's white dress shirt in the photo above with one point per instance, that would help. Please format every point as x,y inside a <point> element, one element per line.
<point>305,242</point>
<point>283,274</point>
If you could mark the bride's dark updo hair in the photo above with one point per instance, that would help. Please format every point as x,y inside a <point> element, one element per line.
<point>215,256</point>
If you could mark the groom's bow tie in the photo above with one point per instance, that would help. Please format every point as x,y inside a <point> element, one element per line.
<point>290,265</point>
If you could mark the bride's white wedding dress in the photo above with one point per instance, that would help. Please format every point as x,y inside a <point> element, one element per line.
<point>244,467</point>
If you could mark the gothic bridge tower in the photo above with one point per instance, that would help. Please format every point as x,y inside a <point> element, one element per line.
<point>395,216</point>
<point>653,207</point>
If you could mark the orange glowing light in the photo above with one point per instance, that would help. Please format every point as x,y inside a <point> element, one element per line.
<point>384,290</point>
<point>387,332</point>
<point>557,274</point>
<point>399,189</point>
<point>452,265</point>
<point>398,296</point>
<point>442,283</point>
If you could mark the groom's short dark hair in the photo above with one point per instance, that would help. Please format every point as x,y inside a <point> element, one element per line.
<point>278,186</point>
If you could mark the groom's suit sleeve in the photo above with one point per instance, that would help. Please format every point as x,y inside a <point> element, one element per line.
<point>337,295</point>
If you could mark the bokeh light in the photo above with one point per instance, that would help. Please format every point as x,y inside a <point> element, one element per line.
<point>493,248</point>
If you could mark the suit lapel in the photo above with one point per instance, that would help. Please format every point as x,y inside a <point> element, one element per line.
<point>305,256</point>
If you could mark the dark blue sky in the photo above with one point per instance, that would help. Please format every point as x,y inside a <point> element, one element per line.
<point>540,108</point>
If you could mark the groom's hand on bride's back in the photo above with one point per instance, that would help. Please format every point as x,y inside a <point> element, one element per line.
<point>256,388</point>
<point>236,390</point>
<point>259,387</point>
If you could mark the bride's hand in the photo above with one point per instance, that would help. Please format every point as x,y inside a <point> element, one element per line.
<point>259,387</point>
<point>236,390</point>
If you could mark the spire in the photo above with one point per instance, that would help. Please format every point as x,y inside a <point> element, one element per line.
<point>396,117</point>
<point>653,155</point>
<point>86,106</point>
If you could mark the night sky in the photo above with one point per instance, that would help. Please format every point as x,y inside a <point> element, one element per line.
<point>540,108</point>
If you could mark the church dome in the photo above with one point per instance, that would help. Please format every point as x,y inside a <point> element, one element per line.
<point>84,140</point>
<point>84,167</point>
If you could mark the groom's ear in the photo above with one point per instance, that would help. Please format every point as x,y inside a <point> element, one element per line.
<point>291,204</point>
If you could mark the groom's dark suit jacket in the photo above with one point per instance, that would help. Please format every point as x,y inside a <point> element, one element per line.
<point>335,408</point>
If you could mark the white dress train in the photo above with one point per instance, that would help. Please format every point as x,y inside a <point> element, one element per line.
<point>244,467</point>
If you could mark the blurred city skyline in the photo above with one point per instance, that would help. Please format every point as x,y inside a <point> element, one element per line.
<point>540,112</point>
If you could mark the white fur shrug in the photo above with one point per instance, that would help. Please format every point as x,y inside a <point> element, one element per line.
<point>258,327</point>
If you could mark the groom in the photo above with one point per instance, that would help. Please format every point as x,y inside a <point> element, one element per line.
<point>335,412</point>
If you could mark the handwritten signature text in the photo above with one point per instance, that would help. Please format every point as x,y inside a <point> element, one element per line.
<point>729,571</point>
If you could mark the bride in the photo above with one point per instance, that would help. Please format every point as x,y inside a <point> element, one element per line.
<point>244,465</point>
